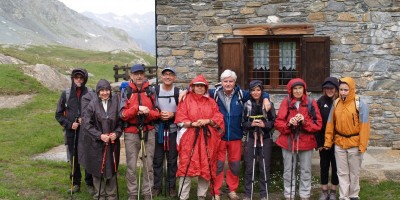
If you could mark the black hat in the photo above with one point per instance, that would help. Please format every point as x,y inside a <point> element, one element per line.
<point>255,83</point>
<point>331,82</point>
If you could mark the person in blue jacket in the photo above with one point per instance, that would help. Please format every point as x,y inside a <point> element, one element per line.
<point>230,99</point>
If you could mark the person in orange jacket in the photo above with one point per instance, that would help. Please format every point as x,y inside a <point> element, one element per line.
<point>348,127</point>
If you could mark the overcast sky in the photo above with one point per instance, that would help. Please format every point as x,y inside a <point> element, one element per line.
<point>119,7</point>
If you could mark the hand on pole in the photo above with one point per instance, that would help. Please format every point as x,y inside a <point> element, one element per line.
<point>105,138</point>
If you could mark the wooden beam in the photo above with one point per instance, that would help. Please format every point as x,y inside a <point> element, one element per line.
<point>274,29</point>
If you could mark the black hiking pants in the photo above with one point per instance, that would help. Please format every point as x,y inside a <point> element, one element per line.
<point>77,168</point>
<point>158,163</point>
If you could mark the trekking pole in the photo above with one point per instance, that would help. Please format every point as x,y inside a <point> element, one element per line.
<point>205,131</point>
<point>263,158</point>
<point>166,150</point>
<point>103,163</point>
<point>190,158</point>
<point>115,166</point>
<point>254,164</point>
<point>291,171</point>
<point>144,159</point>
<point>73,161</point>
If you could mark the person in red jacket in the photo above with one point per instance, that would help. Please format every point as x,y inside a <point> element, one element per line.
<point>202,126</point>
<point>138,110</point>
<point>297,130</point>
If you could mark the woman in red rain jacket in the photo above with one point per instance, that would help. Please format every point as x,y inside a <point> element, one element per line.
<point>297,137</point>
<point>201,130</point>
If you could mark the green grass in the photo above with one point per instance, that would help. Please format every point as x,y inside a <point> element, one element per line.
<point>31,129</point>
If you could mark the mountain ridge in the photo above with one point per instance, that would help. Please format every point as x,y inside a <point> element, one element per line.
<point>50,22</point>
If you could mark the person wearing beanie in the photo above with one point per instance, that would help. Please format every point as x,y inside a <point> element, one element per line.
<point>330,91</point>
<point>138,111</point>
<point>68,114</point>
<point>103,130</point>
<point>347,132</point>
<point>297,128</point>
<point>257,125</point>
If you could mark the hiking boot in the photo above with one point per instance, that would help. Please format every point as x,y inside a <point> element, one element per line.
<point>233,196</point>
<point>156,191</point>
<point>324,195</point>
<point>75,189</point>
<point>201,198</point>
<point>217,197</point>
<point>354,198</point>
<point>332,195</point>
<point>146,197</point>
<point>172,192</point>
<point>91,190</point>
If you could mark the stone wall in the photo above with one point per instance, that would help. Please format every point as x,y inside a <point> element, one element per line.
<point>364,36</point>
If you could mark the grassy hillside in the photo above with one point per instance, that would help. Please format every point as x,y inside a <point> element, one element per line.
<point>99,64</point>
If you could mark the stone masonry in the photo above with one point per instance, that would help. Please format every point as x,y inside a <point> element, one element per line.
<point>365,44</point>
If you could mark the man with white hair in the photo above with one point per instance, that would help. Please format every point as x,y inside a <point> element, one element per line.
<point>230,98</point>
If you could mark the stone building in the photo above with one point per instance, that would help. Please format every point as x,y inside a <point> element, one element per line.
<point>275,40</point>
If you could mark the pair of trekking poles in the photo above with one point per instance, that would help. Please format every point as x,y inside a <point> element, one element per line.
<point>142,136</point>
<point>103,163</point>
<point>166,154</point>
<point>294,137</point>
<point>258,135</point>
<point>206,133</point>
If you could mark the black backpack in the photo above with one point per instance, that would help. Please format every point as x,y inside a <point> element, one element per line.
<point>176,94</point>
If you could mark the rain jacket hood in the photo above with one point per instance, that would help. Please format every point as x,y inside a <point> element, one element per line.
<point>292,83</point>
<point>198,80</point>
<point>352,88</point>
<point>103,84</point>
<point>82,72</point>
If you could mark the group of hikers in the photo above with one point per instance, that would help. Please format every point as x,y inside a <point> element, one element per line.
<point>194,131</point>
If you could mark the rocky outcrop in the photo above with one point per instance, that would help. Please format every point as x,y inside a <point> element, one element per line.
<point>9,60</point>
<point>48,76</point>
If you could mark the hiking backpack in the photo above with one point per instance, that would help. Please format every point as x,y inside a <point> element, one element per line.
<point>356,102</point>
<point>175,96</point>
<point>240,94</point>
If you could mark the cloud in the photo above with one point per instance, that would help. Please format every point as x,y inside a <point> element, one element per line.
<point>119,7</point>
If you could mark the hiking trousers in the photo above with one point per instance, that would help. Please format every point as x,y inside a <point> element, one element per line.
<point>304,158</point>
<point>348,169</point>
<point>172,164</point>
<point>233,151</point>
<point>327,160</point>
<point>108,188</point>
<point>202,186</point>
<point>248,159</point>
<point>132,148</point>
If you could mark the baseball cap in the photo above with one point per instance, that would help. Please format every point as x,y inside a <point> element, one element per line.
<point>137,67</point>
<point>168,69</point>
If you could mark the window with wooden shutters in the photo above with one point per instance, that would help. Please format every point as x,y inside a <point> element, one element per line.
<point>276,60</point>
